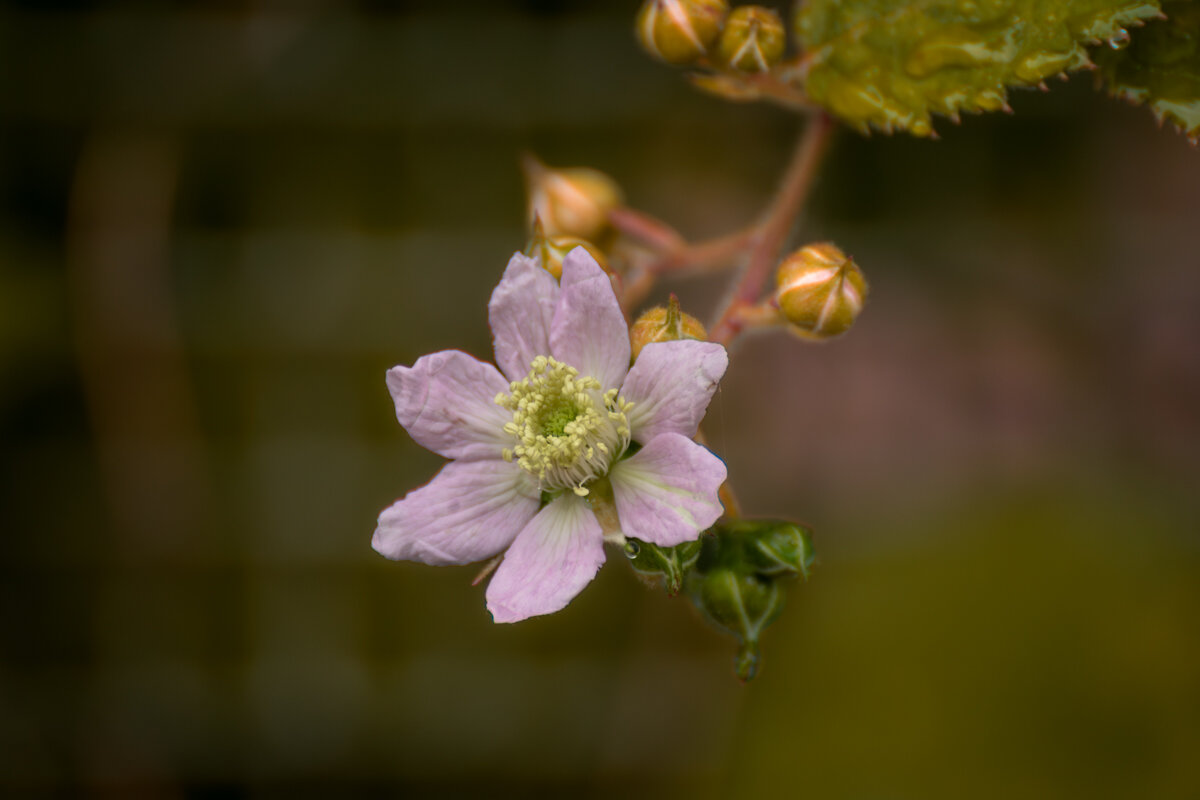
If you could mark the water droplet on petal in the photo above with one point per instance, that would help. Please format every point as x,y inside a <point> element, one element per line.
<point>632,548</point>
<point>1119,40</point>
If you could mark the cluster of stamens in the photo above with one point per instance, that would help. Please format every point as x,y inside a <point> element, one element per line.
<point>567,432</point>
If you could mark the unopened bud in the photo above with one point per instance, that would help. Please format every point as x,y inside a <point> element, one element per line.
<point>551,250</point>
<point>737,581</point>
<point>820,291</point>
<point>570,202</point>
<point>743,604</point>
<point>753,39</point>
<point>664,325</point>
<point>680,31</point>
<point>774,547</point>
<point>669,564</point>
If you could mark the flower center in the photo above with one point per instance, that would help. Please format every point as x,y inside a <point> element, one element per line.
<point>567,431</point>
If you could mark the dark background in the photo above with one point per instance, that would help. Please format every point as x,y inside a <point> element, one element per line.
<point>222,222</point>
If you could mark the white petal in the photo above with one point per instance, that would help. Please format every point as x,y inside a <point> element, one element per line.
<point>520,312</point>
<point>471,510</point>
<point>447,403</point>
<point>670,386</point>
<point>667,492</point>
<point>552,559</point>
<point>589,330</point>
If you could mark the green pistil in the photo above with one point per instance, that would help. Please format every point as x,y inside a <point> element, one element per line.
<point>555,422</point>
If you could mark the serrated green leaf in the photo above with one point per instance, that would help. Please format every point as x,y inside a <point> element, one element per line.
<point>891,64</point>
<point>1161,67</point>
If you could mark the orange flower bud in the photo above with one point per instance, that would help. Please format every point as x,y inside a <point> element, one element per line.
<point>664,325</point>
<point>570,202</point>
<point>820,291</point>
<point>551,250</point>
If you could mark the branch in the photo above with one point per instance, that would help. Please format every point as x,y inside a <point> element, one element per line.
<point>772,232</point>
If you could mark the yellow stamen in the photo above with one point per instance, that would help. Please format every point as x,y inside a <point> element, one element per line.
<point>566,431</point>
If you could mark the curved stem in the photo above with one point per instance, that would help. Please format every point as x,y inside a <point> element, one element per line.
<point>780,85</point>
<point>773,231</point>
<point>706,256</point>
<point>676,256</point>
<point>645,228</point>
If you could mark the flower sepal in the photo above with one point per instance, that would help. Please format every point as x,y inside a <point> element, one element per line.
<point>736,581</point>
<point>667,564</point>
<point>774,547</point>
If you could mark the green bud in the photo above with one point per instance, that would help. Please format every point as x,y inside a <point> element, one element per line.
<point>820,291</point>
<point>775,547</point>
<point>668,563</point>
<point>742,604</point>
<point>680,31</point>
<point>753,39</point>
<point>736,580</point>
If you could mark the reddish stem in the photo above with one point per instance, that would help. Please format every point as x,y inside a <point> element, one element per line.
<point>646,229</point>
<point>704,256</point>
<point>774,229</point>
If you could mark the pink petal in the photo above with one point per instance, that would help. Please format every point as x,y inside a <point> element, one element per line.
<point>520,312</point>
<point>447,403</point>
<point>589,330</point>
<point>667,492</point>
<point>471,510</point>
<point>550,562</point>
<point>670,386</point>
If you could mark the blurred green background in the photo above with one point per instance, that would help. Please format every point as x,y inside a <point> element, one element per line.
<point>222,222</point>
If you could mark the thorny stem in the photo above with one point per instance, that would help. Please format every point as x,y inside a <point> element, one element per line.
<point>771,233</point>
